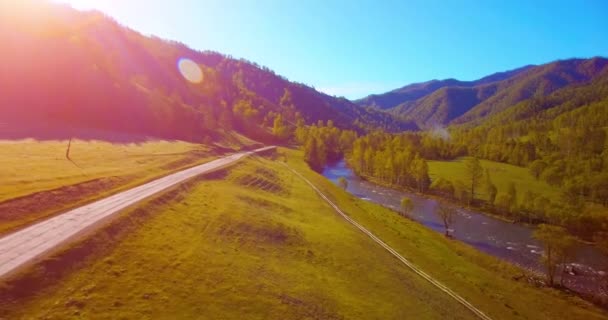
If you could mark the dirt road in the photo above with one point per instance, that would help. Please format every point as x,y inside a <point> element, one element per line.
<point>24,246</point>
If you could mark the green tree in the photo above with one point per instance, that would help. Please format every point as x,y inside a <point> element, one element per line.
<point>406,205</point>
<point>490,188</point>
<point>528,203</point>
<point>474,172</point>
<point>504,201</point>
<point>312,154</point>
<point>443,186</point>
<point>537,167</point>
<point>279,128</point>
<point>599,186</point>
<point>421,173</point>
<point>461,192</point>
<point>512,192</point>
<point>286,100</point>
<point>557,245</point>
<point>446,215</point>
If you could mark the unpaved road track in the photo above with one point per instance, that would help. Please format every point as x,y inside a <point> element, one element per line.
<point>24,246</point>
<point>406,262</point>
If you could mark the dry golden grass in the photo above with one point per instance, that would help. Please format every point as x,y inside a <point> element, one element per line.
<point>38,180</point>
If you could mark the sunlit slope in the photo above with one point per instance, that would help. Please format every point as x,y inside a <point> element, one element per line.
<point>38,180</point>
<point>74,69</point>
<point>502,175</point>
<point>256,242</point>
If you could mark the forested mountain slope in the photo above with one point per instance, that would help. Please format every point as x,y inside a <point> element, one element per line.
<point>439,103</point>
<point>62,67</point>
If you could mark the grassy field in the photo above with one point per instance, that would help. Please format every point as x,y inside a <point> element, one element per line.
<point>501,173</point>
<point>257,243</point>
<point>37,179</point>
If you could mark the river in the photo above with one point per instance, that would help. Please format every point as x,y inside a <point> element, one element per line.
<point>508,241</point>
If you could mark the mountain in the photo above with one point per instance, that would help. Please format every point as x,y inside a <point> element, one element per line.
<point>537,82</point>
<point>69,69</point>
<point>458,102</point>
<point>416,91</point>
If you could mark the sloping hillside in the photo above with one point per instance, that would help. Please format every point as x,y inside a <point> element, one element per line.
<point>458,102</point>
<point>413,92</point>
<point>61,66</point>
<point>538,82</point>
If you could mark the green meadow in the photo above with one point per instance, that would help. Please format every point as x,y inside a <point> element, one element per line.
<point>502,174</point>
<point>256,242</point>
<point>38,180</point>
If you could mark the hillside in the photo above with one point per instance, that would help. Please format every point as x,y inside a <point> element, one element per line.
<point>61,66</point>
<point>413,92</point>
<point>458,102</point>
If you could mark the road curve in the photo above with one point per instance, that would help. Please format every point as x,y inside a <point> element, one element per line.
<point>406,262</point>
<point>24,246</point>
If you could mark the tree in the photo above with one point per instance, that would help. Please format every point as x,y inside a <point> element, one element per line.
<point>537,167</point>
<point>557,244</point>
<point>286,100</point>
<point>599,187</point>
<point>527,203</point>
<point>461,192</point>
<point>407,205</point>
<point>420,170</point>
<point>279,128</point>
<point>474,172</point>
<point>445,214</point>
<point>343,183</point>
<point>311,153</point>
<point>315,153</point>
<point>553,175</point>
<point>443,186</point>
<point>504,201</point>
<point>512,192</point>
<point>491,189</point>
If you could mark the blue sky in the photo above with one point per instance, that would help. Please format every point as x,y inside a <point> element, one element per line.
<point>355,48</point>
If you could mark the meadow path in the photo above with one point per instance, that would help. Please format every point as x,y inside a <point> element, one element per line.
<point>26,245</point>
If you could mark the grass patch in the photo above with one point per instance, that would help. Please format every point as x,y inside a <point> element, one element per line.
<point>228,250</point>
<point>501,173</point>
<point>485,281</point>
<point>38,181</point>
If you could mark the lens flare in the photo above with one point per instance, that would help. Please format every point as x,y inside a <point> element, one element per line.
<point>190,70</point>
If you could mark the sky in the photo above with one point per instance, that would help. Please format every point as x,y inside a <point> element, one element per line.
<point>356,48</point>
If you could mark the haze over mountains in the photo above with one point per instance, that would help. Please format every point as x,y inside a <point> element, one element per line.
<point>450,101</point>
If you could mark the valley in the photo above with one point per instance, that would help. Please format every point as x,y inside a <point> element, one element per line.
<point>400,163</point>
<point>491,234</point>
<point>306,260</point>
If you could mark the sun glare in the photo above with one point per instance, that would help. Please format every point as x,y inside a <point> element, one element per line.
<point>190,70</point>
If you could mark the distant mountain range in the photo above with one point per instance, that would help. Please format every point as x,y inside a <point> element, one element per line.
<point>450,101</point>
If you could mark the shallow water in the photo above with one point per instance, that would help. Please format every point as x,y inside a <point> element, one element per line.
<point>508,241</point>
